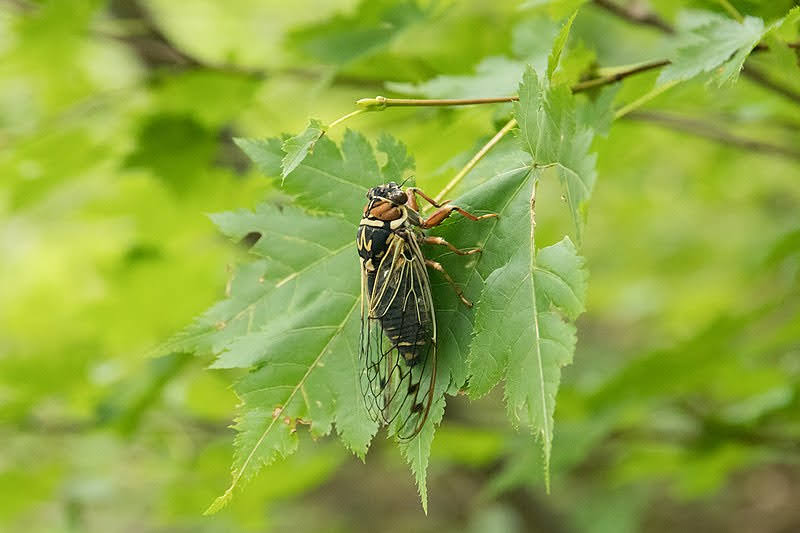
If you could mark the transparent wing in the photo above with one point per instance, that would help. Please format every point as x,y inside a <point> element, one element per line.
<point>398,339</point>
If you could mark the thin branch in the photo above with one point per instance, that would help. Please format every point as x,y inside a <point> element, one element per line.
<point>379,103</point>
<point>613,78</point>
<point>475,159</point>
<point>702,128</point>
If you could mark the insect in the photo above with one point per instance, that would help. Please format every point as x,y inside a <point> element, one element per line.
<point>398,325</point>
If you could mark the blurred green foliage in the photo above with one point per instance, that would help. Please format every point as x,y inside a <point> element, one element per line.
<point>116,127</point>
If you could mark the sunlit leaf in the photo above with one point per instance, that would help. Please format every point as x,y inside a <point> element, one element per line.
<point>521,331</point>
<point>494,76</point>
<point>720,45</point>
<point>298,147</point>
<point>558,46</point>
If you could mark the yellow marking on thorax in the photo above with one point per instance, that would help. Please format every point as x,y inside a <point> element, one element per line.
<point>371,222</point>
<point>394,224</point>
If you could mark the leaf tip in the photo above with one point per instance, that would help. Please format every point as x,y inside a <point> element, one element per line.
<point>558,46</point>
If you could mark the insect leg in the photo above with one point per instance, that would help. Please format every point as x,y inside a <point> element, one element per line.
<point>437,266</point>
<point>440,214</point>
<point>442,242</point>
<point>413,198</point>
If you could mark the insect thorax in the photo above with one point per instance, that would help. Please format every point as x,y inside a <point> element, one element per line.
<point>374,235</point>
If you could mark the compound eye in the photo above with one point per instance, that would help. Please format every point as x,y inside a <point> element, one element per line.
<point>399,197</point>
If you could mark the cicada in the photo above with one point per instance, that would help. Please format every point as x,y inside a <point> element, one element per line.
<point>398,323</point>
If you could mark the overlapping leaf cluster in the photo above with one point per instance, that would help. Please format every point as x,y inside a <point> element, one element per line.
<point>292,315</point>
<point>110,160</point>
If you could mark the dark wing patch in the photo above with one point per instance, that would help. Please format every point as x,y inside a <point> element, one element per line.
<point>398,339</point>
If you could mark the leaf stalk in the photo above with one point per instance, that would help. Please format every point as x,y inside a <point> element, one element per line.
<point>379,103</point>
<point>345,117</point>
<point>732,11</point>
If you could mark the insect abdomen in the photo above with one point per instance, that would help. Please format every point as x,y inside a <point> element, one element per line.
<point>405,321</point>
<point>407,329</point>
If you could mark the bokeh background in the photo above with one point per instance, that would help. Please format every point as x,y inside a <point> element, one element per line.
<point>681,411</point>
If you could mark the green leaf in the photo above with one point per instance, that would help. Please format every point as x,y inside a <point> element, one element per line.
<point>574,65</point>
<point>417,452</point>
<point>293,314</point>
<point>720,45</point>
<point>551,132</point>
<point>494,76</point>
<point>786,59</point>
<point>598,114</point>
<point>344,38</point>
<point>332,180</point>
<point>297,324</point>
<point>298,147</point>
<point>521,331</point>
<point>558,46</point>
<point>265,153</point>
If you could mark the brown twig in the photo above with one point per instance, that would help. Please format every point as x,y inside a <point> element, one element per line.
<point>704,129</point>
<point>597,82</point>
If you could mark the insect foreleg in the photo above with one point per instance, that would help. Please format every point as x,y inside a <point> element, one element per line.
<point>412,198</point>
<point>437,266</point>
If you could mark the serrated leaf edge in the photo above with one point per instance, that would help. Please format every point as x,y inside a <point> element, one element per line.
<point>223,500</point>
